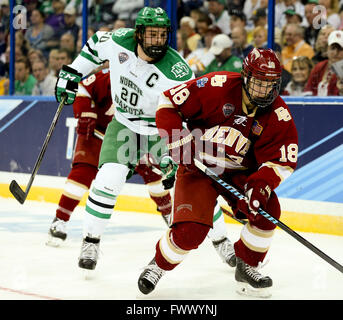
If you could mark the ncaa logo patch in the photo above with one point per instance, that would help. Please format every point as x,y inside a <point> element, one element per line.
<point>123,56</point>
<point>201,82</point>
<point>228,109</point>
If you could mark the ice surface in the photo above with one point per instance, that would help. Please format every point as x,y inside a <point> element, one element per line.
<point>31,270</point>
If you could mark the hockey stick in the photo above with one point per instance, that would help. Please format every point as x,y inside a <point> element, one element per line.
<point>277,222</point>
<point>15,189</point>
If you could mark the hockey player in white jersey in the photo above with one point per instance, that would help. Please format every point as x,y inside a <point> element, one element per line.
<point>142,66</point>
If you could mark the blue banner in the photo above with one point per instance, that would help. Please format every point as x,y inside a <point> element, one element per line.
<point>24,123</point>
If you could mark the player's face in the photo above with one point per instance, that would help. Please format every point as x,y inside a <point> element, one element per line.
<point>155,36</point>
<point>259,88</point>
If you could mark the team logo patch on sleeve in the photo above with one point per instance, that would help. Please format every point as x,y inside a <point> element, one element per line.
<point>180,69</point>
<point>123,56</point>
<point>228,108</point>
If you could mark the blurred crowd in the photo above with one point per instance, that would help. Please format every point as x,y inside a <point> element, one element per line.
<point>212,35</point>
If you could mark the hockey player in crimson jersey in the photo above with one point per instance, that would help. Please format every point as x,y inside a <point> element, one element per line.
<point>93,107</point>
<point>240,127</point>
<point>94,110</point>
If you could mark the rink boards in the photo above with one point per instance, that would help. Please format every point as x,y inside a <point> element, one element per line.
<point>311,199</point>
<point>300,215</point>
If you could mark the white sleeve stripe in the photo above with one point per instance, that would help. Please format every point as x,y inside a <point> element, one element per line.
<point>283,172</point>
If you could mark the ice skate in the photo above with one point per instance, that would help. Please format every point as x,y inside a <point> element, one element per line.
<point>226,251</point>
<point>250,282</point>
<point>89,255</point>
<point>149,277</point>
<point>57,233</point>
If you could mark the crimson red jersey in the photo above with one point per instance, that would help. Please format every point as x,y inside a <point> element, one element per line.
<point>94,99</point>
<point>264,142</point>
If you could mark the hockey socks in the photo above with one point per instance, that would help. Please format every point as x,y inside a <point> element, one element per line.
<point>77,184</point>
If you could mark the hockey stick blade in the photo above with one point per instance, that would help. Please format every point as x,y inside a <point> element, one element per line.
<point>15,189</point>
<point>210,173</point>
<point>17,192</point>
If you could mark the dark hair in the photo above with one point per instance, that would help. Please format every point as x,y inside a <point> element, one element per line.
<point>26,62</point>
<point>40,12</point>
<point>68,52</point>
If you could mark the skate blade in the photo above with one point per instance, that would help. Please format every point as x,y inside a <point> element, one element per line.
<point>54,242</point>
<point>247,290</point>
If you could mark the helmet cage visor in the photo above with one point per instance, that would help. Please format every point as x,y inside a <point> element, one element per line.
<point>261,90</point>
<point>153,40</point>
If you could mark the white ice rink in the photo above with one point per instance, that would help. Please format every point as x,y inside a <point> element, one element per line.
<point>30,270</point>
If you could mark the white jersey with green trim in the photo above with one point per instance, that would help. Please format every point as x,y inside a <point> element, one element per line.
<point>135,84</point>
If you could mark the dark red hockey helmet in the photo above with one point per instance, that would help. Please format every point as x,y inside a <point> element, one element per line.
<point>261,75</point>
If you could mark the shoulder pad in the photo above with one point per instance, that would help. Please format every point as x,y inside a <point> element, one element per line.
<point>125,38</point>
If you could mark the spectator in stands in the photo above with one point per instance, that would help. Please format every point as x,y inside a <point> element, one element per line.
<point>64,57</point>
<point>21,41</point>
<point>56,19</point>
<point>69,16</point>
<point>127,9</point>
<point>39,33</point>
<point>46,7</point>
<point>241,47</point>
<point>219,15</point>
<point>295,45</point>
<point>250,7</point>
<point>301,69</point>
<point>286,76</point>
<point>235,4</point>
<point>202,25</point>
<point>292,16</point>
<point>45,85</point>
<point>238,19</point>
<point>90,32</point>
<point>24,80</point>
<point>190,6</point>
<point>119,23</point>
<point>260,18</point>
<point>6,56</point>
<point>282,6</point>
<point>332,16</point>
<point>312,30</point>
<point>200,58</point>
<point>5,14</point>
<point>322,80</point>
<point>187,28</point>
<point>259,35</point>
<point>67,41</point>
<point>35,55</point>
<point>195,14</point>
<point>53,62</point>
<point>224,60</point>
<point>321,45</point>
<point>180,43</point>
